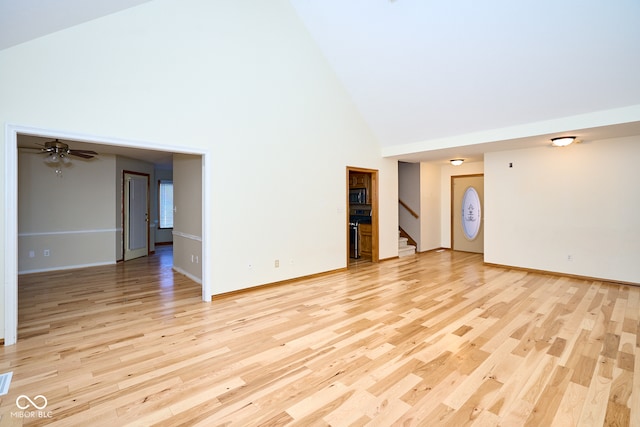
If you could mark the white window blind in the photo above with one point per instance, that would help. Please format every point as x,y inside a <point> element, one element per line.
<point>165,201</point>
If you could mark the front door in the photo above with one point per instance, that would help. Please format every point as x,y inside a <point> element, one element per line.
<point>467,217</point>
<point>136,215</point>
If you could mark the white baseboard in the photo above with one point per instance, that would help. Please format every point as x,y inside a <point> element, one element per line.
<point>189,275</point>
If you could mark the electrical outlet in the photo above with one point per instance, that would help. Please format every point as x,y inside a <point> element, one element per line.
<point>277,263</point>
<point>47,252</point>
<point>569,257</point>
<point>32,254</point>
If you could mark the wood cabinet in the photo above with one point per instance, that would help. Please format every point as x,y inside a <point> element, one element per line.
<point>366,241</point>
<point>358,180</point>
<point>361,180</point>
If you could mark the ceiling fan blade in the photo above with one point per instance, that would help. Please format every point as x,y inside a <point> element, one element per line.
<point>80,154</point>
<point>42,150</point>
<point>93,153</point>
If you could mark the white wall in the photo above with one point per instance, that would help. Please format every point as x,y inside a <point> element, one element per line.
<point>187,217</point>
<point>76,216</point>
<point>430,201</point>
<point>580,201</point>
<point>241,81</point>
<point>70,215</point>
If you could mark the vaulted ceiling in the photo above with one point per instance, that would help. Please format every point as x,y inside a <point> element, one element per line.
<point>437,79</point>
<point>24,20</point>
<point>463,77</point>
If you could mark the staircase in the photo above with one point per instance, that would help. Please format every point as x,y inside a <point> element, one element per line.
<point>404,249</point>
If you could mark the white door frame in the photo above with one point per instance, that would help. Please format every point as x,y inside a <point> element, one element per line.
<point>11,210</point>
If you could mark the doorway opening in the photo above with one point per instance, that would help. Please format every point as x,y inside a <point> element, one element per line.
<point>11,208</point>
<point>362,215</point>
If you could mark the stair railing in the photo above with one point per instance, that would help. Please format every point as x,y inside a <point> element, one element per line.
<point>411,211</point>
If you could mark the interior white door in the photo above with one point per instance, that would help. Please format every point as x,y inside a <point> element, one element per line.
<point>136,216</point>
<point>467,222</point>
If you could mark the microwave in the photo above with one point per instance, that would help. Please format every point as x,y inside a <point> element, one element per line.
<point>357,196</point>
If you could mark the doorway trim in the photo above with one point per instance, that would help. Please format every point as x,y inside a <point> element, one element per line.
<point>11,209</point>
<point>375,240</point>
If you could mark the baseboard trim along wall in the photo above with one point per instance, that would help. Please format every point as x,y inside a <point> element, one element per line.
<point>278,283</point>
<point>189,275</point>
<point>560,274</point>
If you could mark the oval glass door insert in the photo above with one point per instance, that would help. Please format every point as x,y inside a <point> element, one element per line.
<point>471,213</point>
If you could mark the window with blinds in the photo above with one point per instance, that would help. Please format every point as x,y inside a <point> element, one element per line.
<point>165,202</point>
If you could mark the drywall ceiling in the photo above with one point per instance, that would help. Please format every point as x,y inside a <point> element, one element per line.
<point>24,20</point>
<point>436,77</point>
<point>437,74</point>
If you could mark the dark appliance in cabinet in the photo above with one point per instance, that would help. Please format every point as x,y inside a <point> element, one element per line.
<point>357,215</point>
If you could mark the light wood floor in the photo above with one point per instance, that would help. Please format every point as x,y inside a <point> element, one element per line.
<point>433,339</point>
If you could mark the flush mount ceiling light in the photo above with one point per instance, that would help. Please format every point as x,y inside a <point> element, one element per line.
<point>562,141</point>
<point>456,162</point>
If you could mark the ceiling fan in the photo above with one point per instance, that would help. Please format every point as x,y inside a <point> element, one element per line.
<point>58,151</point>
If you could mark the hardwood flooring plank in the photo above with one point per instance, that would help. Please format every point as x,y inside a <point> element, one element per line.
<point>549,401</point>
<point>477,403</point>
<point>571,405</point>
<point>594,410</point>
<point>434,339</point>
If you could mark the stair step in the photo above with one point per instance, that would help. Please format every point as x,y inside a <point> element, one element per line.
<point>406,250</point>
<point>402,241</point>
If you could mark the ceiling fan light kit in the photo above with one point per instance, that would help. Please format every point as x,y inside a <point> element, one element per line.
<point>57,154</point>
<point>57,158</point>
